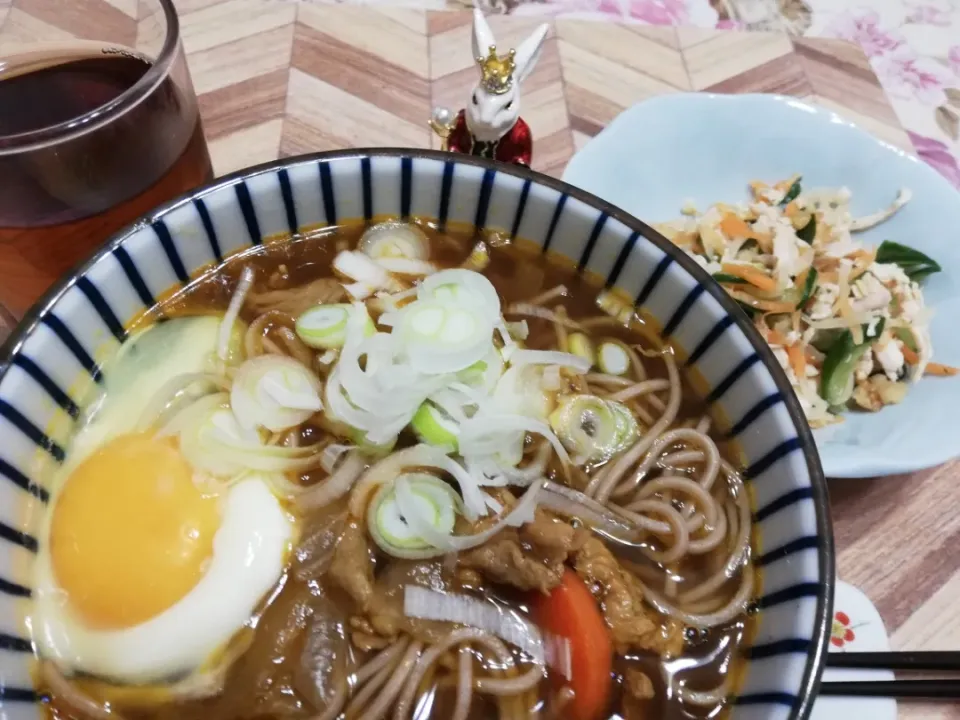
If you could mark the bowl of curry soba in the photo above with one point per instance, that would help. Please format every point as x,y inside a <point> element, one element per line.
<point>403,434</point>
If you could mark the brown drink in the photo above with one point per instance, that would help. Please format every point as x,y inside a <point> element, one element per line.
<point>91,137</point>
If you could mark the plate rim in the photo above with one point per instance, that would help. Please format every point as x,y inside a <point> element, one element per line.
<point>882,467</point>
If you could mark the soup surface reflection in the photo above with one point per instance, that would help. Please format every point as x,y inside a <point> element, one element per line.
<point>388,471</point>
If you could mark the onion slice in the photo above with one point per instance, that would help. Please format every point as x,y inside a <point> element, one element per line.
<point>274,392</point>
<point>576,363</point>
<point>403,266</point>
<point>508,625</point>
<point>335,486</point>
<point>233,313</point>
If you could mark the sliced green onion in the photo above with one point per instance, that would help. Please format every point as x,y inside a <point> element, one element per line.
<point>436,504</point>
<point>592,428</point>
<point>581,345</point>
<point>626,423</point>
<point>441,337</point>
<point>395,239</point>
<point>484,374</point>
<point>434,426</point>
<point>365,446</point>
<point>613,358</point>
<point>274,392</point>
<point>325,326</point>
<point>462,288</point>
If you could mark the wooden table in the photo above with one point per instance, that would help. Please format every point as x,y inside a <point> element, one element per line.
<point>279,78</point>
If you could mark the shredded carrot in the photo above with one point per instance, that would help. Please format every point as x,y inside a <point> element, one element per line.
<point>795,321</point>
<point>733,227</point>
<point>791,209</point>
<point>940,370</point>
<point>932,368</point>
<point>775,337</point>
<point>752,275</point>
<point>797,361</point>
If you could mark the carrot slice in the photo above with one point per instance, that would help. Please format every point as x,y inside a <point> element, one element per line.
<point>933,368</point>
<point>775,337</point>
<point>733,227</point>
<point>754,276</point>
<point>571,612</point>
<point>940,370</point>
<point>797,361</point>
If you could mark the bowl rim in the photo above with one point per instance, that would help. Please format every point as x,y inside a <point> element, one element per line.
<point>816,657</point>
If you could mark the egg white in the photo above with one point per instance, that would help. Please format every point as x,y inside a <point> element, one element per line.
<point>144,364</point>
<point>249,553</point>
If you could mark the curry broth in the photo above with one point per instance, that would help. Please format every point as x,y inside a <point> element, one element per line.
<point>267,680</point>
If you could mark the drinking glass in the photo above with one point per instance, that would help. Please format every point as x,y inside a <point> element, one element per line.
<point>98,124</point>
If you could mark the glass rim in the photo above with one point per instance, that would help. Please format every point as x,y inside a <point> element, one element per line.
<point>104,114</point>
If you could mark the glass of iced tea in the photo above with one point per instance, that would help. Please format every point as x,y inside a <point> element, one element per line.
<point>94,132</point>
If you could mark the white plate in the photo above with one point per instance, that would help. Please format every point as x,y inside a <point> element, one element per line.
<point>705,148</point>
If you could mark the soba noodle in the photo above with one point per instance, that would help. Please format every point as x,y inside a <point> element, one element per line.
<point>672,515</point>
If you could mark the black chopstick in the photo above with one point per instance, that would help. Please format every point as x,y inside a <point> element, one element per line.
<point>913,689</point>
<point>936,661</point>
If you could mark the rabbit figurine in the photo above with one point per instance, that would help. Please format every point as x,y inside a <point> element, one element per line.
<point>490,126</point>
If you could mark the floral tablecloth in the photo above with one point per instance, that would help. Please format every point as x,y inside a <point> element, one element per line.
<point>913,45</point>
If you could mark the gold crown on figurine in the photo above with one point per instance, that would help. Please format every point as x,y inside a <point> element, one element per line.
<point>496,71</point>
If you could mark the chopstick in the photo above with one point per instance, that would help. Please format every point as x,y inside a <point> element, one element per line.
<point>913,689</point>
<point>936,661</point>
<point>927,689</point>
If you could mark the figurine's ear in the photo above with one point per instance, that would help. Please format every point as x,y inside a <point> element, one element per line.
<point>529,51</point>
<point>482,35</point>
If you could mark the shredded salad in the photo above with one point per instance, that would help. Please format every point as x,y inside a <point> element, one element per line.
<point>846,321</point>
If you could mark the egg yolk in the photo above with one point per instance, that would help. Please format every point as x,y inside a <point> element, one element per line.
<point>131,532</point>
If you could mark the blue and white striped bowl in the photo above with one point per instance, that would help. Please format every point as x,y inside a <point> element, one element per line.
<point>50,365</point>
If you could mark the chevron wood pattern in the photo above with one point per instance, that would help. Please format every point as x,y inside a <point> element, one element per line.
<point>279,77</point>
<point>286,78</point>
